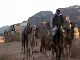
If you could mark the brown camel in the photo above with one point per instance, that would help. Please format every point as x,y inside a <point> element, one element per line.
<point>58,43</point>
<point>69,38</point>
<point>28,39</point>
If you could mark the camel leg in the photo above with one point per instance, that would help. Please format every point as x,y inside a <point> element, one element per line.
<point>67,52</point>
<point>24,47</point>
<point>59,54</point>
<point>23,44</point>
<point>29,53</point>
<point>40,49</point>
<point>44,51</point>
<point>24,57</point>
<point>70,50</point>
<point>71,47</point>
<point>63,54</point>
<point>54,49</point>
<point>27,46</point>
<point>36,43</point>
<point>32,49</point>
<point>32,53</point>
<point>52,54</point>
<point>57,58</point>
<point>23,39</point>
<point>48,53</point>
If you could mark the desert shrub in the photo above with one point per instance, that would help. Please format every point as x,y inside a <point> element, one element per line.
<point>13,37</point>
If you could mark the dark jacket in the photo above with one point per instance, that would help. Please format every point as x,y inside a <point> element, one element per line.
<point>57,20</point>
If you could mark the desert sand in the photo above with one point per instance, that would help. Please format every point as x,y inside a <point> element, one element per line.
<point>12,51</point>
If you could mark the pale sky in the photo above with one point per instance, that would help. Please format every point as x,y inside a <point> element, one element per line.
<point>15,11</point>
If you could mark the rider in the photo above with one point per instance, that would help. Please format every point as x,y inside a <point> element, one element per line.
<point>27,28</point>
<point>5,34</point>
<point>36,34</point>
<point>57,19</point>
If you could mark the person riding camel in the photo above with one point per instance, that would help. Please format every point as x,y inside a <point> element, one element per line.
<point>27,28</point>
<point>36,33</point>
<point>56,20</point>
<point>5,34</point>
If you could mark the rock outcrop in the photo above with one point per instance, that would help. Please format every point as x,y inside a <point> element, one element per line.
<point>76,32</point>
<point>40,17</point>
<point>45,16</point>
<point>73,12</point>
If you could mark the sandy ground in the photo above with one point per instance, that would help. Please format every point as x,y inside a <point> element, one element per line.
<point>12,51</point>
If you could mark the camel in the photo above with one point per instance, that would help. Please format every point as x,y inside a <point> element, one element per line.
<point>69,32</point>
<point>5,35</point>
<point>29,39</point>
<point>45,42</point>
<point>21,31</point>
<point>69,37</point>
<point>58,43</point>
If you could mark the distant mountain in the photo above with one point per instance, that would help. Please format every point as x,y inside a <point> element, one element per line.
<point>2,29</point>
<point>73,12</point>
<point>45,16</point>
<point>40,17</point>
<point>1,34</point>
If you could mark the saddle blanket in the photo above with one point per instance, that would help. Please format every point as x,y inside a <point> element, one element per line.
<point>55,28</point>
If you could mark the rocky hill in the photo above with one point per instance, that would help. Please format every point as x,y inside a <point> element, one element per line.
<point>40,17</point>
<point>73,12</point>
<point>3,28</point>
<point>45,16</point>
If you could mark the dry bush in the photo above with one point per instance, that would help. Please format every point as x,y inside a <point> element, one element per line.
<point>76,48</point>
<point>76,30</point>
<point>76,35</point>
<point>17,28</point>
<point>13,37</point>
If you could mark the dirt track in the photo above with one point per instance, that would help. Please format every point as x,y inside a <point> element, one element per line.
<point>12,51</point>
